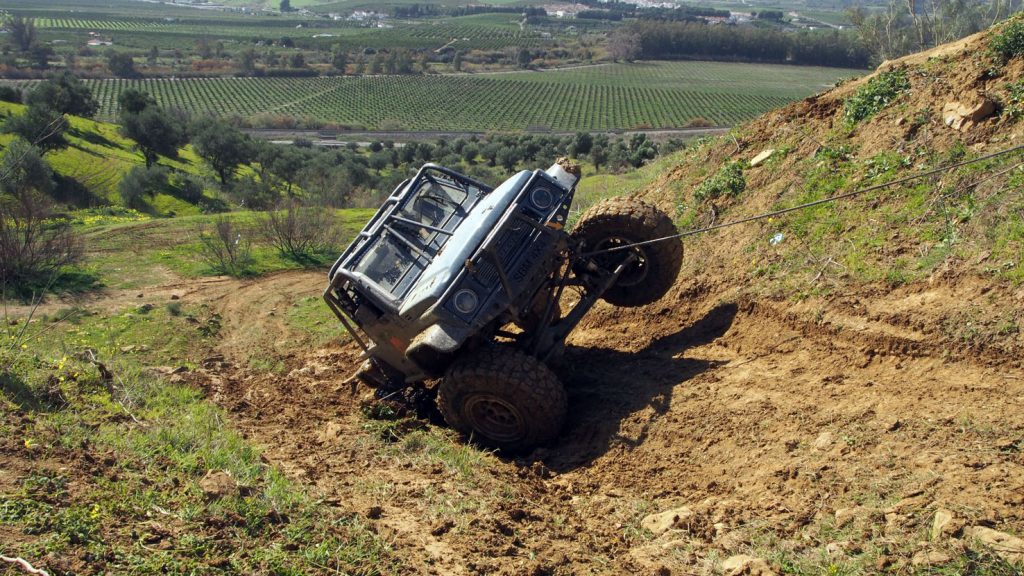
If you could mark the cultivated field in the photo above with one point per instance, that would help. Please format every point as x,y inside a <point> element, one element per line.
<point>619,96</point>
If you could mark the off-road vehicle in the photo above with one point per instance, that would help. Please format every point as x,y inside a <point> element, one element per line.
<point>454,279</point>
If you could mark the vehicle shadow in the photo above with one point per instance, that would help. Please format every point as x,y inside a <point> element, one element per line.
<point>608,386</point>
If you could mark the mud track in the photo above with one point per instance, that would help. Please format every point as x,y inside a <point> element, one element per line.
<point>762,419</point>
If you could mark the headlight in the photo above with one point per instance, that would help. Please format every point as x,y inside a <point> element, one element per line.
<point>466,301</point>
<point>542,198</point>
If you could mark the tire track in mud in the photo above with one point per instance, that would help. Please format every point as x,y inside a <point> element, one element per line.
<point>752,413</point>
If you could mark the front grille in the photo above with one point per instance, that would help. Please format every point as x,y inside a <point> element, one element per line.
<point>508,245</point>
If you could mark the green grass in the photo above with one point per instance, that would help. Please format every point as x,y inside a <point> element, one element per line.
<point>311,317</point>
<point>128,254</point>
<point>97,158</point>
<point>154,441</point>
<point>646,95</point>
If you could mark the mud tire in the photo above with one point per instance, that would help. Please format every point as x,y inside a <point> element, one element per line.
<point>618,221</point>
<point>503,398</point>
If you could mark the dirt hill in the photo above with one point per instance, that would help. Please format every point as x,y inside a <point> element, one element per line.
<point>818,391</point>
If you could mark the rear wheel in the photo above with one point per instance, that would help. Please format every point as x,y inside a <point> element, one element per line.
<point>503,398</point>
<point>621,222</point>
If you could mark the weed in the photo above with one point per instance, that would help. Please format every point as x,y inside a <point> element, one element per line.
<point>174,308</point>
<point>878,93</point>
<point>1013,108</point>
<point>728,181</point>
<point>1009,41</point>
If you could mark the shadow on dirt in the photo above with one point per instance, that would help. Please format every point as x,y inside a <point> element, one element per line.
<point>607,386</point>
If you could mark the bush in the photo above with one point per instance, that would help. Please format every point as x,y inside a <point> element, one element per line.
<point>878,93</point>
<point>300,232</point>
<point>33,246</point>
<point>1009,41</point>
<point>187,188</point>
<point>10,94</point>
<point>227,248</point>
<point>728,181</point>
<point>142,181</point>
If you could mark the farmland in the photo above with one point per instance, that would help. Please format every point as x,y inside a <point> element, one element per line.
<point>652,95</point>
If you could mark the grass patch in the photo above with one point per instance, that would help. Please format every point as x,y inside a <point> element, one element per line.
<point>311,317</point>
<point>109,461</point>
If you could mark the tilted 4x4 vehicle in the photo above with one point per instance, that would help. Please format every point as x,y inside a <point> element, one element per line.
<point>438,276</point>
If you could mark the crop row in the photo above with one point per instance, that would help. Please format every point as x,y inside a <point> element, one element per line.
<point>445,102</point>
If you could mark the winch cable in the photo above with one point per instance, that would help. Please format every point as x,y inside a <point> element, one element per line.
<point>830,199</point>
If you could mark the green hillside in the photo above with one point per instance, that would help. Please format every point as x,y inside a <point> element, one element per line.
<point>98,157</point>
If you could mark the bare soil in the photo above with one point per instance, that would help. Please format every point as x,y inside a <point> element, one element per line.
<point>762,418</point>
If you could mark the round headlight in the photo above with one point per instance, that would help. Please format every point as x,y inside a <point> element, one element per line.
<point>465,301</point>
<point>542,198</point>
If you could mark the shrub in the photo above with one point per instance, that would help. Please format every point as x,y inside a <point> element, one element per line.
<point>33,246</point>
<point>878,93</point>
<point>188,188</point>
<point>10,94</point>
<point>1009,41</point>
<point>728,181</point>
<point>142,181</point>
<point>227,248</point>
<point>300,232</point>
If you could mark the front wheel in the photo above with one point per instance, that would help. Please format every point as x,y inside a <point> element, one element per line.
<point>620,222</point>
<point>503,398</point>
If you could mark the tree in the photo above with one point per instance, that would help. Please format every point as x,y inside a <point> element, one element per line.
<point>582,143</point>
<point>66,94</point>
<point>339,59</point>
<point>623,45</point>
<point>153,56</point>
<point>121,64</point>
<point>133,101</point>
<point>286,6</point>
<point>297,60</point>
<point>457,62</point>
<point>222,145</point>
<point>142,181</point>
<point>508,157</point>
<point>33,246</point>
<point>523,58</point>
<point>23,32</point>
<point>42,126</point>
<point>22,167</point>
<point>247,61</point>
<point>155,132</point>
<point>598,156</point>
<point>41,54</point>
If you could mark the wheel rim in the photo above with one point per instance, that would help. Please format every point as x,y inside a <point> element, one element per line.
<point>495,418</point>
<point>635,273</point>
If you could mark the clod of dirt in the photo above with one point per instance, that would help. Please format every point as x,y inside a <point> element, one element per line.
<point>442,528</point>
<point>218,484</point>
<point>945,524</point>
<point>374,512</point>
<point>662,522</point>
<point>742,564</point>
<point>926,558</point>
<point>1009,548</point>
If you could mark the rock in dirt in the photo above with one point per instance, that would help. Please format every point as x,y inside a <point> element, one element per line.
<point>945,524</point>
<point>959,116</point>
<point>846,515</point>
<point>218,484</point>
<point>662,522</point>
<point>743,565</point>
<point>1006,546</point>
<point>760,158</point>
<point>930,558</point>
<point>823,441</point>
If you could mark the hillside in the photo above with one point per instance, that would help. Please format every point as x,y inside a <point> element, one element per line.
<point>833,391</point>
<point>96,160</point>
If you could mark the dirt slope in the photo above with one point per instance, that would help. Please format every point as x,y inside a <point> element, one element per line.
<point>814,415</point>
